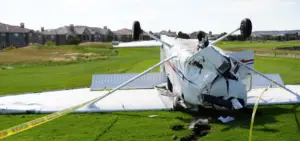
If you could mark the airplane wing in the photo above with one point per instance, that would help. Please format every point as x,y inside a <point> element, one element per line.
<point>154,43</point>
<point>274,96</point>
<point>138,95</point>
<point>49,102</point>
<point>151,43</point>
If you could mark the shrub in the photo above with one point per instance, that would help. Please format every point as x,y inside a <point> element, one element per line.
<point>9,48</point>
<point>49,43</point>
<point>73,40</point>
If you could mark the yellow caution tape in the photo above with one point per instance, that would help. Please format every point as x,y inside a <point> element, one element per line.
<point>254,111</point>
<point>39,121</point>
<point>277,85</point>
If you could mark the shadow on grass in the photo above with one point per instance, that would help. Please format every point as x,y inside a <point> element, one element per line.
<point>136,114</point>
<point>264,115</point>
<point>296,117</point>
<point>107,129</point>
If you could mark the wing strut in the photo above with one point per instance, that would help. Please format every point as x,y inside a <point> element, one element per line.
<point>132,79</point>
<point>265,76</point>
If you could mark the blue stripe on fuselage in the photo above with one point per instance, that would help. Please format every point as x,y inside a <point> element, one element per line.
<point>178,72</point>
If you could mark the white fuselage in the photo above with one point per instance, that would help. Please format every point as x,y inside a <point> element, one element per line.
<point>195,73</point>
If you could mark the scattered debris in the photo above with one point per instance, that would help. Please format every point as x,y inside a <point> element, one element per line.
<point>227,119</point>
<point>151,116</point>
<point>177,127</point>
<point>188,138</point>
<point>198,122</point>
<point>7,68</point>
<point>174,137</point>
<point>200,127</point>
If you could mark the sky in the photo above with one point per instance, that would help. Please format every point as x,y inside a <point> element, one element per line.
<point>154,15</point>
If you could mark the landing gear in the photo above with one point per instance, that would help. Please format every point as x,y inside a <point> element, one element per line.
<point>176,104</point>
<point>169,85</point>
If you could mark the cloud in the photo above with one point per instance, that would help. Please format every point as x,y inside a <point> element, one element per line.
<point>77,5</point>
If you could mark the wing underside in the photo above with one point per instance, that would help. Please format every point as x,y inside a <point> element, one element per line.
<point>151,43</point>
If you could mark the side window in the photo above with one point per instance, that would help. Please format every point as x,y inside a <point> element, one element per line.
<point>16,34</point>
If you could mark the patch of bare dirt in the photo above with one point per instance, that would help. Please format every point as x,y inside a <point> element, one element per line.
<point>74,56</point>
<point>60,59</point>
<point>90,43</point>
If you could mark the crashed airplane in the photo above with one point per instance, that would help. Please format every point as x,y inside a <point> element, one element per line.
<point>192,73</point>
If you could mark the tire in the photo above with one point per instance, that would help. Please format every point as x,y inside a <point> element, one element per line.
<point>176,105</point>
<point>169,84</point>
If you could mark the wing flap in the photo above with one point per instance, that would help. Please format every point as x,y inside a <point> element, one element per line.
<point>110,81</point>
<point>260,82</point>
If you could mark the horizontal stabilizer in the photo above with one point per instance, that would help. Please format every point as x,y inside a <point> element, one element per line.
<point>260,82</point>
<point>110,81</point>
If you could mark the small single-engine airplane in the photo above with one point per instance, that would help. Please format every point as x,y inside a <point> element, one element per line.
<point>194,73</point>
<point>197,73</point>
<point>201,74</point>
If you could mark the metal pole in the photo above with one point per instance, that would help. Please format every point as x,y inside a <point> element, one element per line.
<point>265,76</point>
<point>157,39</point>
<point>132,79</point>
<point>223,37</point>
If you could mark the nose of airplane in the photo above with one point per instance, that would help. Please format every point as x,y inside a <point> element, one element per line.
<point>236,89</point>
<point>233,92</point>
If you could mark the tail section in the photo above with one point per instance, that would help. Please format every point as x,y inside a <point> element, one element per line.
<point>251,80</point>
<point>246,57</point>
<point>246,75</point>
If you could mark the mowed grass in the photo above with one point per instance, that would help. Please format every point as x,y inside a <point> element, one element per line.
<point>256,44</point>
<point>51,76</point>
<point>260,47</point>
<point>277,123</point>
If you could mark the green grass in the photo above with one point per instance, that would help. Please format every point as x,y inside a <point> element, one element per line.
<point>260,47</point>
<point>256,44</point>
<point>49,76</point>
<point>288,68</point>
<point>277,123</point>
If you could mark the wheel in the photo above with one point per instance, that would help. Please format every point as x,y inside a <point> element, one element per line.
<point>176,105</point>
<point>169,84</point>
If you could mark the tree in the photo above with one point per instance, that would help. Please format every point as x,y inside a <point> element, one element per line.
<point>109,35</point>
<point>231,38</point>
<point>74,40</point>
<point>183,35</point>
<point>222,34</point>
